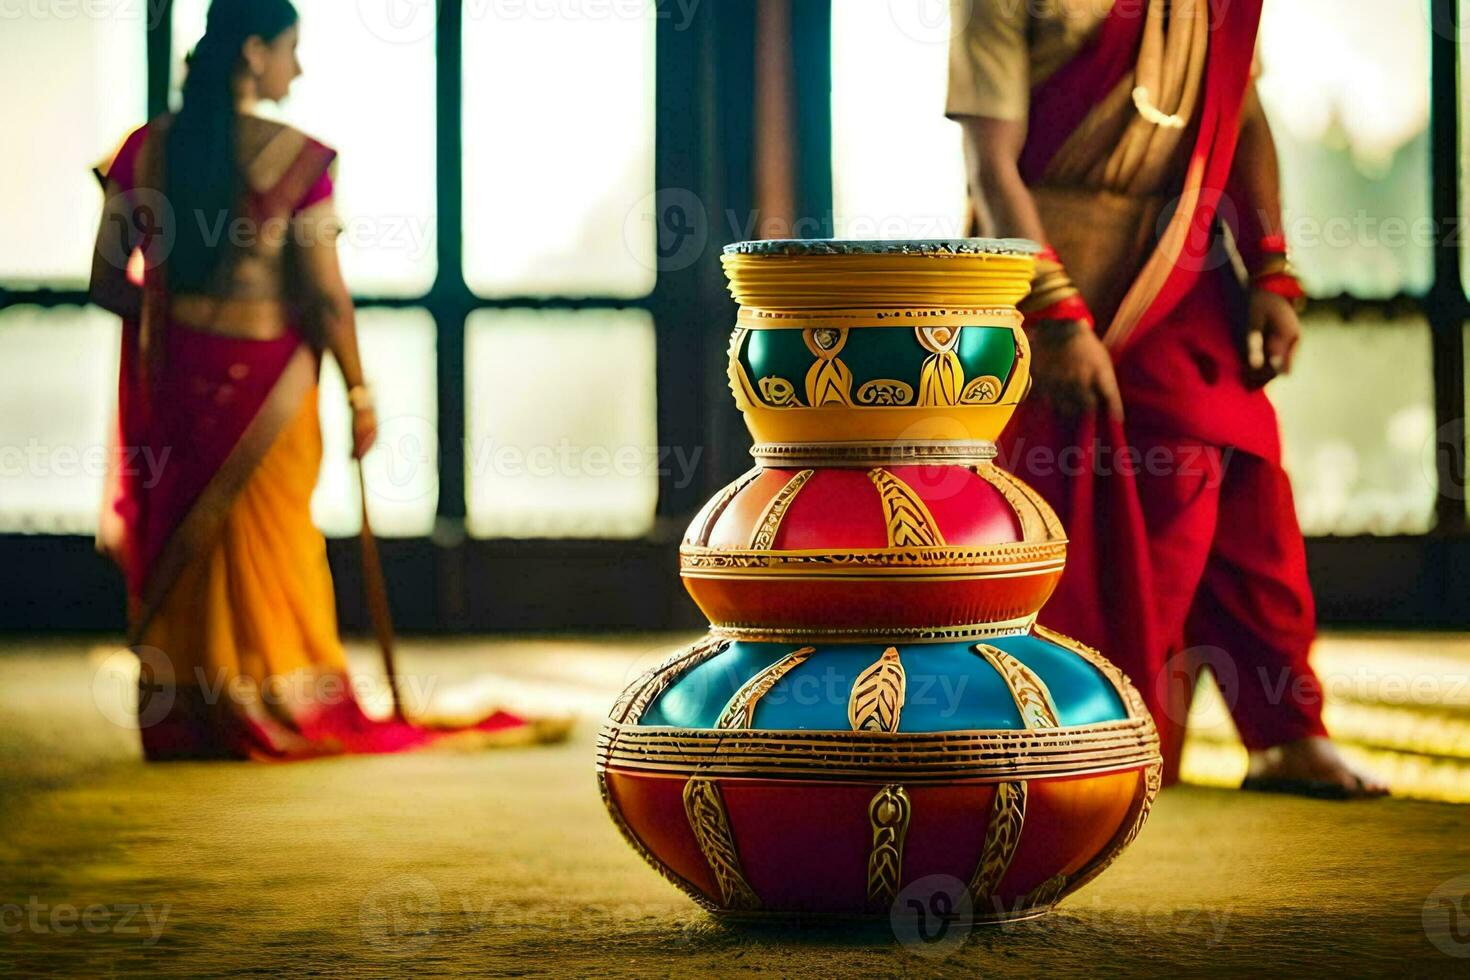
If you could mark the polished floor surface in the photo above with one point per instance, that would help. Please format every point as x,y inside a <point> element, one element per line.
<point>504,863</point>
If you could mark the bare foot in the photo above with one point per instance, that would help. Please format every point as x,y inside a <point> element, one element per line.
<point>1310,767</point>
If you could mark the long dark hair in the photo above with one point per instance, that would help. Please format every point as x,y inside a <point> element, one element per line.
<point>202,175</point>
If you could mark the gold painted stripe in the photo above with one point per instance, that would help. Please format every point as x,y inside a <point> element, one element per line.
<point>909,523</point>
<point>770,522</point>
<point>1132,700</point>
<point>1045,895</point>
<point>876,701</point>
<point>1032,516</point>
<point>674,878</point>
<point>705,808</point>
<point>990,629</point>
<point>1002,837</point>
<point>711,511</point>
<point>888,812</point>
<point>634,701</point>
<point>1032,698</point>
<point>1143,801</point>
<point>740,711</point>
<point>1001,554</point>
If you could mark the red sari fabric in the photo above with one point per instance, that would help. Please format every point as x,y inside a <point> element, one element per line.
<point>1195,556</point>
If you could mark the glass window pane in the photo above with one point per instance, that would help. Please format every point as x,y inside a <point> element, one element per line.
<point>897,163</point>
<point>558,149</point>
<point>58,400</point>
<point>75,86</point>
<point>367,89</point>
<point>1346,86</point>
<point>1357,424</point>
<point>562,424</point>
<point>402,471</point>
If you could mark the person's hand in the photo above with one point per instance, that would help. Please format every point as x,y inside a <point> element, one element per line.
<point>364,431</point>
<point>1073,371</point>
<point>1272,331</point>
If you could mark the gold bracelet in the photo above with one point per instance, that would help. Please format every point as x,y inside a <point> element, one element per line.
<point>360,397</point>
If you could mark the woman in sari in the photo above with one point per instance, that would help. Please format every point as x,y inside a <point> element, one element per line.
<point>218,248</point>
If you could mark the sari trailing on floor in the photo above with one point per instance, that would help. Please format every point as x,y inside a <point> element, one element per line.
<point>1133,114</point>
<point>231,605</point>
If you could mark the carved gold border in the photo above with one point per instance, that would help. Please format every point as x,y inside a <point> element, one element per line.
<point>740,709</point>
<point>1014,558</point>
<point>863,455</point>
<point>1127,693</point>
<point>903,757</point>
<point>710,513</point>
<point>1143,801</point>
<point>887,634</point>
<point>1038,521</point>
<point>762,318</point>
<point>673,877</point>
<point>636,697</point>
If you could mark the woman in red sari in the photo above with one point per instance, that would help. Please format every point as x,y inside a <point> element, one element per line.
<point>1123,132</point>
<point>218,248</point>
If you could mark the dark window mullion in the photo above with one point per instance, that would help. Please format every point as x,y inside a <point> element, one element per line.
<point>1446,304</point>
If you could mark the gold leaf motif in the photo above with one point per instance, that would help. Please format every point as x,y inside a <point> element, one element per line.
<point>1002,837</point>
<point>778,392</point>
<point>982,391</point>
<point>877,695</point>
<point>888,812</point>
<point>885,391</point>
<point>775,512</point>
<point>705,808</point>
<point>1032,698</point>
<point>828,383</point>
<point>940,379</point>
<point>740,711</point>
<point>910,525</point>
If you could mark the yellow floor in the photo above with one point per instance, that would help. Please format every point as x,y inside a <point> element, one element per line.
<point>505,863</point>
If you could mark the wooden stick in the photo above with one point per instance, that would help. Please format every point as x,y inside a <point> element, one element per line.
<point>375,586</point>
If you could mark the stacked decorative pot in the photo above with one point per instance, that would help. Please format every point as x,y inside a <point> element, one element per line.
<point>874,704</point>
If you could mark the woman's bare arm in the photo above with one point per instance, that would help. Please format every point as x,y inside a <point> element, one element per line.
<point>330,304</point>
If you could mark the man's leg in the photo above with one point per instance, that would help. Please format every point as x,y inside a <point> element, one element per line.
<point>1178,489</point>
<point>1255,603</point>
